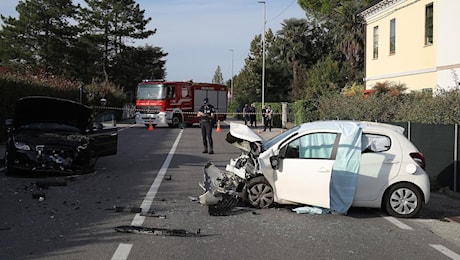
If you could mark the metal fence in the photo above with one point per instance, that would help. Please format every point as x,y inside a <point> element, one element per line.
<point>440,145</point>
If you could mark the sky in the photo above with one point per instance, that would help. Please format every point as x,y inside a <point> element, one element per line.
<point>199,35</point>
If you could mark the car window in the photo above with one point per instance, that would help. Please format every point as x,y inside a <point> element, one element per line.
<point>277,138</point>
<point>312,146</point>
<point>106,119</point>
<point>373,143</point>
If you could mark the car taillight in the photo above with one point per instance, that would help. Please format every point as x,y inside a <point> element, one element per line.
<point>419,159</point>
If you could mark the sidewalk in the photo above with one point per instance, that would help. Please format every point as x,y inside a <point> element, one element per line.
<point>259,129</point>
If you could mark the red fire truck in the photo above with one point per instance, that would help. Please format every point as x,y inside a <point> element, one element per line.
<point>174,102</point>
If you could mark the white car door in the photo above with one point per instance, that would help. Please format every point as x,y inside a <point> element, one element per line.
<point>380,163</point>
<point>305,169</point>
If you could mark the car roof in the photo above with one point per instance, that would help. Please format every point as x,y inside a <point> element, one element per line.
<point>341,124</point>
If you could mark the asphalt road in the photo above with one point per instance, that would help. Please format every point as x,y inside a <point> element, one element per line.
<point>76,217</point>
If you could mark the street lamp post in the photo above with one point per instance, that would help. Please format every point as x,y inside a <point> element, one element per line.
<point>231,82</point>
<point>263,55</point>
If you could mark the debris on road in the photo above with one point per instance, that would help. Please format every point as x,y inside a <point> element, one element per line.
<point>127,209</point>
<point>152,214</point>
<point>194,199</point>
<point>46,184</point>
<point>40,196</point>
<point>157,231</point>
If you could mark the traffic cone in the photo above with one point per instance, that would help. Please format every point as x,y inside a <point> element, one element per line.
<point>218,127</point>
<point>150,126</point>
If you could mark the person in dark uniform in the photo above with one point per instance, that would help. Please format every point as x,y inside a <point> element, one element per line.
<point>206,113</point>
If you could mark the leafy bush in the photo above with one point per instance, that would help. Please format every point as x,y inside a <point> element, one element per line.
<point>384,106</point>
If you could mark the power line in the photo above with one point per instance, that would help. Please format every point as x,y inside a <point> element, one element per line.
<point>284,10</point>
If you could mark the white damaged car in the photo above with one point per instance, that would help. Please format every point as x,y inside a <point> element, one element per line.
<point>332,165</point>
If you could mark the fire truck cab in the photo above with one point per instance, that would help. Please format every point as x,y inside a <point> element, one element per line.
<point>175,103</point>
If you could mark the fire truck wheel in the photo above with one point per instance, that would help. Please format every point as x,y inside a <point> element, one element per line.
<point>175,121</point>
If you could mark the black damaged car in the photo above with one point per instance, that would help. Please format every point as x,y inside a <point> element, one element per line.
<point>49,134</point>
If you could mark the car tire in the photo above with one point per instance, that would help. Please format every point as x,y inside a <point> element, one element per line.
<point>259,193</point>
<point>224,206</point>
<point>403,200</point>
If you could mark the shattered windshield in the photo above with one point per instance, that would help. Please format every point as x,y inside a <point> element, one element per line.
<point>151,91</point>
<point>269,143</point>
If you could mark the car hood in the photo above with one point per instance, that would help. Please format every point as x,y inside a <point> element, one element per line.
<point>51,110</point>
<point>242,137</point>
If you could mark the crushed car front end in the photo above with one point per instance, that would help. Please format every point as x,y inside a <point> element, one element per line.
<point>40,147</point>
<point>49,134</point>
<point>224,188</point>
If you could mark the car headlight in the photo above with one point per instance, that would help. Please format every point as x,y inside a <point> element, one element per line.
<point>21,146</point>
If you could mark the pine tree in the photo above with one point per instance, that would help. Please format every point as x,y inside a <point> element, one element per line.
<point>109,24</point>
<point>218,78</point>
<point>41,37</point>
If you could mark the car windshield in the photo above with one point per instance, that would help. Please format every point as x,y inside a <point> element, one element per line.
<point>269,143</point>
<point>151,91</point>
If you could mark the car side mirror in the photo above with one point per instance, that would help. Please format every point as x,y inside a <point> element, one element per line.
<point>97,126</point>
<point>275,162</point>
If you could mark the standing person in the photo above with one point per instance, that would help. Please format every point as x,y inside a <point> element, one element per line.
<point>252,116</point>
<point>206,113</point>
<point>268,118</point>
<point>246,112</point>
<point>264,109</point>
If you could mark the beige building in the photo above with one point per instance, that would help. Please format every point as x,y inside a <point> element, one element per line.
<point>413,42</point>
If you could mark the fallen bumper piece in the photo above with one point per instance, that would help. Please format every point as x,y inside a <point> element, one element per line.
<point>157,231</point>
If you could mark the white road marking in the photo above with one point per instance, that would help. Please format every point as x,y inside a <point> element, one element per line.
<point>148,200</point>
<point>447,252</point>
<point>123,250</point>
<point>397,223</point>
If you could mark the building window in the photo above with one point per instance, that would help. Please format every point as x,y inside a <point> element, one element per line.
<point>429,24</point>
<point>392,36</point>
<point>376,42</point>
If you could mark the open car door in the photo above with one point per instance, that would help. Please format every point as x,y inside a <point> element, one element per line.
<point>304,168</point>
<point>104,135</point>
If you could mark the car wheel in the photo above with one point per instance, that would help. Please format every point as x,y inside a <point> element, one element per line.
<point>259,192</point>
<point>175,121</point>
<point>403,200</point>
<point>224,206</point>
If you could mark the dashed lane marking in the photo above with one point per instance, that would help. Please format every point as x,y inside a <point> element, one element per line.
<point>445,251</point>
<point>123,250</point>
<point>398,223</point>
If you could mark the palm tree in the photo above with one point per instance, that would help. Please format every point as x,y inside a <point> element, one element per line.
<point>292,47</point>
